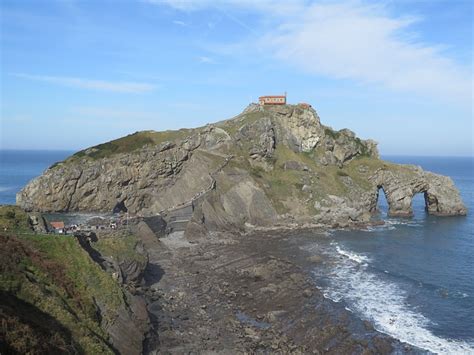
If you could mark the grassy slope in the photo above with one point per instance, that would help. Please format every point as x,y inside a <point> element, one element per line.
<point>56,277</point>
<point>128,144</point>
<point>120,246</point>
<point>284,187</point>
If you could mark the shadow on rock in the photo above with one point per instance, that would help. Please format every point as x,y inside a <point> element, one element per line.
<point>153,274</point>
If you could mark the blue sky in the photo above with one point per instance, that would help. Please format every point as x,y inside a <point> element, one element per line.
<point>78,73</point>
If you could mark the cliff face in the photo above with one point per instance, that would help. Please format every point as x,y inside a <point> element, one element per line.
<point>265,166</point>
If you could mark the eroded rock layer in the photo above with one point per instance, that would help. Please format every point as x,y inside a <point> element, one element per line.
<point>266,166</point>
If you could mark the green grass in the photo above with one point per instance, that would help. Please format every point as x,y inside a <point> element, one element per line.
<point>54,274</point>
<point>364,151</point>
<point>127,144</point>
<point>121,246</point>
<point>64,282</point>
<point>331,133</point>
<point>286,184</point>
<point>13,218</point>
<point>79,267</point>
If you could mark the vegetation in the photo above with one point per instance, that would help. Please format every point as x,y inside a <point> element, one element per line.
<point>364,152</point>
<point>283,186</point>
<point>13,218</point>
<point>121,246</point>
<point>331,133</point>
<point>53,278</point>
<point>127,144</point>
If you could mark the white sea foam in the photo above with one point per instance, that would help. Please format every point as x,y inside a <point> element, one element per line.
<point>379,228</point>
<point>358,258</point>
<point>403,222</point>
<point>391,224</point>
<point>385,304</point>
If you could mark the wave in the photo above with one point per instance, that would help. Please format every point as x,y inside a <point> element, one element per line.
<point>384,303</point>
<point>379,228</point>
<point>358,258</point>
<point>404,222</point>
<point>391,224</point>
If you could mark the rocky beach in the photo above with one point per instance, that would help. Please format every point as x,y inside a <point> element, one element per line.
<point>250,294</point>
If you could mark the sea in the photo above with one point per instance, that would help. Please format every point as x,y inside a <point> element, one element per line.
<point>413,278</point>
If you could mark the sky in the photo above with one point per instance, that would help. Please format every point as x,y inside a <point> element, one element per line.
<point>79,73</point>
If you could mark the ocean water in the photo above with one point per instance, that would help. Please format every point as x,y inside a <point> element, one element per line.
<point>412,277</point>
<point>17,167</point>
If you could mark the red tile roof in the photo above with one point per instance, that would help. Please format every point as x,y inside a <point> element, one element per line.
<point>57,225</point>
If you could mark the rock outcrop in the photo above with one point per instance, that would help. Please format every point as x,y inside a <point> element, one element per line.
<point>127,325</point>
<point>37,222</point>
<point>400,186</point>
<point>267,166</point>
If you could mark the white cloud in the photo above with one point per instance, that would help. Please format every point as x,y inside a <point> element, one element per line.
<point>183,5</point>
<point>206,60</point>
<point>180,23</point>
<point>360,42</point>
<point>271,6</point>
<point>349,40</point>
<point>100,85</point>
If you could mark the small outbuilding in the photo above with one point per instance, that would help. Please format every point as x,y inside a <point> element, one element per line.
<point>58,227</point>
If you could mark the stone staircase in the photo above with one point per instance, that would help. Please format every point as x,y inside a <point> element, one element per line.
<point>178,219</point>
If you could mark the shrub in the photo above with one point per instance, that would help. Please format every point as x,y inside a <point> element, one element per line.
<point>257,171</point>
<point>10,214</point>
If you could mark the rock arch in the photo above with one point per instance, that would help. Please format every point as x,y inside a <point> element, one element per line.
<point>402,184</point>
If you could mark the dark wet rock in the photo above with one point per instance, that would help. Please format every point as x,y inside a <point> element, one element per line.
<point>157,225</point>
<point>120,207</point>
<point>132,271</point>
<point>127,330</point>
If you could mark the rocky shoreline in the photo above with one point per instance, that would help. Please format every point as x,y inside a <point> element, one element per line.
<point>250,293</point>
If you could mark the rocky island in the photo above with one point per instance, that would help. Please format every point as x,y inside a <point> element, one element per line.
<point>210,260</point>
<point>270,165</point>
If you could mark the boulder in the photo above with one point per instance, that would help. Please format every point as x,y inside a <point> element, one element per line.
<point>295,165</point>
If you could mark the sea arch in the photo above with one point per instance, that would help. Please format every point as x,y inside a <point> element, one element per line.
<point>440,195</point>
